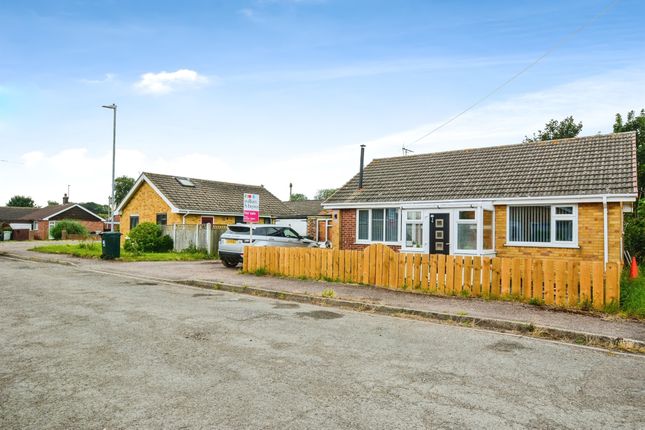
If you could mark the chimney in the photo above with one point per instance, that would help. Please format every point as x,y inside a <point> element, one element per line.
<point>360,174</point>
<point>65,199</point>
<point>290,189</point>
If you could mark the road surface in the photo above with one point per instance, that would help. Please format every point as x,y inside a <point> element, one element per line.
<point>80,349</point>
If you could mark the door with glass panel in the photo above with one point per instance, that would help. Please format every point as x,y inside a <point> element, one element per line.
<point>439,234</point>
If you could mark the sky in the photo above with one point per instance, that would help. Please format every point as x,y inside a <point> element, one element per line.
<point>274,92</point>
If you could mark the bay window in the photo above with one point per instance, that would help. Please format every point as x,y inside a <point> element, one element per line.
<point>543,225</point>
<point>377,225</point>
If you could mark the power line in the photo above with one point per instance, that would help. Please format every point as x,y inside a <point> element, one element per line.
<point>495,90</point>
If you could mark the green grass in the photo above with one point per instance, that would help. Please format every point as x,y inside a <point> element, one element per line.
<point>632,296</point>
<point>93,250</point>
<point>329,293</point>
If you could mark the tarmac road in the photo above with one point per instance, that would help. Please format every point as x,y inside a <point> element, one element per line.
<point>80,349</point>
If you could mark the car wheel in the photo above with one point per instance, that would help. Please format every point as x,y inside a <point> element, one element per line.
<point>229,263</point>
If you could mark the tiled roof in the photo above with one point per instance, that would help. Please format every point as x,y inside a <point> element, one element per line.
<point>42,213</point>
<point>13,214</point>
<point>601,164</point>
<point>215,196</point>
<point>305,208</point>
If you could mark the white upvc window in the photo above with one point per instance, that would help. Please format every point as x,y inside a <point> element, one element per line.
<point>35,226</point>
<point>543,225</point>
<point>466,230</point>
<point>377,225</point>
<point>414,229</point>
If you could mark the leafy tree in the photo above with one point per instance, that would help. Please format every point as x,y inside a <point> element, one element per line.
<point>52,203</point>
<point>21,202</point>
<point>297,197</point>
<point>555,129</point>
<point>122,186</point>
<point>71,227</point>
<point>635,222</point>
<point>101,210</point>
<point>325,193</point>
<point>637,124</point>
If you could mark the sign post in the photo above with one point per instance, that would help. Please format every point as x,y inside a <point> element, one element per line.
<point>251,212</point>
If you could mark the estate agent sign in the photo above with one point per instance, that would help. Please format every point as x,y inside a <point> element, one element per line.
<point>251,208</point>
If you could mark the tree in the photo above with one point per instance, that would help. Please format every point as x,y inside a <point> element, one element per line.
<point>122,186</point>
<point>325,193</point>
<point>52,203</point>
<point>21,202</point>
<point>101,210</point>
<point>555,129</point>
<point>637,124</point>
<point>635,222</point>
<point>297,197</point>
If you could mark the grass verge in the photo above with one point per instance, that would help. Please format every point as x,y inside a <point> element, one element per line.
<point>93,250</point>
<point>632,296</point>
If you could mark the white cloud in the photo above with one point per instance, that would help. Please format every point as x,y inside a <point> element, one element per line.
<point>166,82</point>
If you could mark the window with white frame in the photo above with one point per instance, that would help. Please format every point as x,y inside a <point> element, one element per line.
<point>377,225</point>
<point>543,225</point>
<point>413,229</point>
<point>467,230</point>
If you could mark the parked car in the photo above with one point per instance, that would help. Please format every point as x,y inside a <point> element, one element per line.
<point>236,237</point>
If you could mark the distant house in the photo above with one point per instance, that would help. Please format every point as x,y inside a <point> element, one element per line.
<point>36,223</point>
<point>308,218</point>
<point>166,199</point>
<point>561,198</point>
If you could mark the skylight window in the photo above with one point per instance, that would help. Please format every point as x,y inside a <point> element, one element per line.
<point>185,182</point>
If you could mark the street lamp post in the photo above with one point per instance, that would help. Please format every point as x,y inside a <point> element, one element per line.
<point>112,202</point>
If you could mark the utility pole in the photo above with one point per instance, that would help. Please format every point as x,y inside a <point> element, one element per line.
<point>112,202</point>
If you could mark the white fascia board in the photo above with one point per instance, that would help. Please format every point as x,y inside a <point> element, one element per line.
<point>136,186</point>
<point>590,198</point>
<point>76,205</point>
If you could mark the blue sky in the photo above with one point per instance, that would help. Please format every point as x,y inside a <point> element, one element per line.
<point>277,91</point>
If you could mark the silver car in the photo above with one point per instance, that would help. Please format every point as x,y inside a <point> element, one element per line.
<point>236,237</point>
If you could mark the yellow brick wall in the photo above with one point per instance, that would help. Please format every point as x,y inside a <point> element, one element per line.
<point>590,235</point>
<point>147,204</point>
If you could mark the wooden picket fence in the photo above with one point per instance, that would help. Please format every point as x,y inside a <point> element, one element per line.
<point>551,281</point>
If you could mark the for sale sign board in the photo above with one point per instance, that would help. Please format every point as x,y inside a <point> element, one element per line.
<point>251,208</point>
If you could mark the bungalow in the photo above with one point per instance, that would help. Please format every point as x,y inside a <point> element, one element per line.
<point>35,223</point>
<point>561,198</point>
<point>166,199</point>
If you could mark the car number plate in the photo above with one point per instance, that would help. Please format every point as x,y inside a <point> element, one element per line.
<point>231,241</point>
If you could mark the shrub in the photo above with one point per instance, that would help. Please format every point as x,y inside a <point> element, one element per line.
<point>147,237</point>
<point>71,227</point>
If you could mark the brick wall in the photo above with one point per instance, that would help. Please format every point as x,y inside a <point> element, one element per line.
<point>347,231</point>
<point>590,235</point>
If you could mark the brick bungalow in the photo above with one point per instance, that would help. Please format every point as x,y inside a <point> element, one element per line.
<point>166,199</point>
<point>38,221</point>
<point>561,198</point>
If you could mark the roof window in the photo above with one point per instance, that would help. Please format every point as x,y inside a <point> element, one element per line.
<point>185,182</point>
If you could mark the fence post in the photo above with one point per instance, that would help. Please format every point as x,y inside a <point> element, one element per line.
<point>174,236</point>
<point>197,236</point>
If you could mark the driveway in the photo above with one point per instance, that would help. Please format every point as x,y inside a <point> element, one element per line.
<point>81,349</point>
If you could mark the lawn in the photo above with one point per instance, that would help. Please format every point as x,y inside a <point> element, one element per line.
<point>632,296</point>
<point>93,250</point>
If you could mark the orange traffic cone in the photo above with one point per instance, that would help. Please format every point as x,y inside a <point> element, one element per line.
<point>633,272</point>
